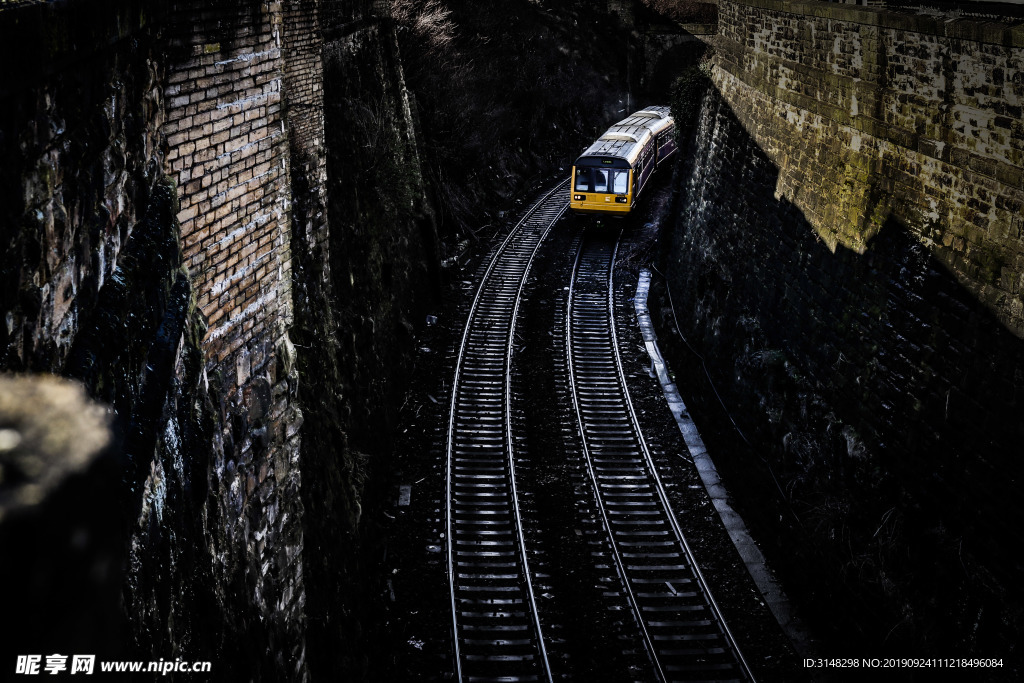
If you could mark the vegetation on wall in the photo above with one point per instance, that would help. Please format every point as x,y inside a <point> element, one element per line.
<point>687,95</point>
<point>685,11</point>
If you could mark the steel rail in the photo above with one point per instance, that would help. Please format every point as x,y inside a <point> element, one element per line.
<point>641,469</point>
<point>619,565</point>
<point>662,495</point>
<point>511,261</point>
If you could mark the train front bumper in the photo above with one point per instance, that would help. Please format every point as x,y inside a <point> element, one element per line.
<point>606,204</point>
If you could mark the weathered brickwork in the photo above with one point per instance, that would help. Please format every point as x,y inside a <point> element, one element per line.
<point>165,237</point>
<point>871,115</point>
<point>229,153</point>
<point>93,288</point>
<point>302,50</point>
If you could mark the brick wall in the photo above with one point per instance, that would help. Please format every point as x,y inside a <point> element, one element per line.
<point>228,150</point>
<point>302,49</point>
<point>95,287</point>
<point>165,236</point>
<point>871,115</point>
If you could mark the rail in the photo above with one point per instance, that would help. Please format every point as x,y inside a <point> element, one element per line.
<point>497,632</point>
<point>680,624</point>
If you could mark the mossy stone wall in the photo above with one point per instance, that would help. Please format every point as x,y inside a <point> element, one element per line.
<point>872,115</point>
<point>864,408</point>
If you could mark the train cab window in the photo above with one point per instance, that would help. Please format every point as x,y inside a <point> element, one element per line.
<point>620,181</point>
<point>582,179</point>
<point>600,180</point>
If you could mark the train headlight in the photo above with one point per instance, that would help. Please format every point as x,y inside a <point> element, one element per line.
<point>579,197</point>
<point>622,200</point>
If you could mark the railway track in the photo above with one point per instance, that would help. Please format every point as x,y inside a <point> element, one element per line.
<point>497,631</point>
<point>649,573</point>
<point>680,625</point>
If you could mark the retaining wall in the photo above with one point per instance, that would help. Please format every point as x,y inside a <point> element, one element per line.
<point>871,115</point>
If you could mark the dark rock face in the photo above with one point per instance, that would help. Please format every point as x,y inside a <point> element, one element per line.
<point>880,401</point>
<point>165,237</point>
<point>93,288</point>
<point>356,313</point>
<point>381,228</point>
<point>81,157</point>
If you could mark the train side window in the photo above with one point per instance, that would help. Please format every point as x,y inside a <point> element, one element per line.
<point>600,180</point>
<point>620,181</point>
<point>582,179</point>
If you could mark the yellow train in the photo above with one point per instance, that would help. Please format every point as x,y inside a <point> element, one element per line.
<point>611,174</point>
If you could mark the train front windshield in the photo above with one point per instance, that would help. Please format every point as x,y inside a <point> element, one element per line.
<point>582,179</point>
<point>601,179</point>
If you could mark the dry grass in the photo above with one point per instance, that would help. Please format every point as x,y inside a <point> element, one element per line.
<point>430,20</point>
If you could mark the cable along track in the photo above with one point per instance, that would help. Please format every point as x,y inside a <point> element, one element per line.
<point>497,631</point>
<point>680,624</point>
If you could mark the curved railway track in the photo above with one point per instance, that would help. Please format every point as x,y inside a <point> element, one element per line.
<point>497,630</point>
<point>498,633</point>
<point>680,624</point>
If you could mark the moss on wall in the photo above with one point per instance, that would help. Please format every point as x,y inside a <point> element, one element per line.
<point>864,408</point>
<point>872,115</point>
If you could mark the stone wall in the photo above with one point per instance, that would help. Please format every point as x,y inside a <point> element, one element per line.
<point>228,152</point>
<point>864,408</point>
<point>864,402</point>
<point>871,115</point>
<point>77,172</point>
<point>165,237</point>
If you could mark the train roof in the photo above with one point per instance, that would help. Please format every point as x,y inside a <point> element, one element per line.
<point>627,137</point>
